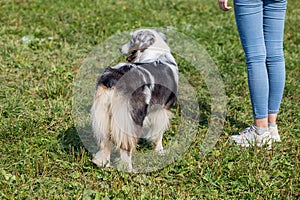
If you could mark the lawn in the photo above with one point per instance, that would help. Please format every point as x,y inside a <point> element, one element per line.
<point>44,45</point>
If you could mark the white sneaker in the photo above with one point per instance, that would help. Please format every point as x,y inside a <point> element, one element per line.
<point>249,136</point>
<point>274,133</point>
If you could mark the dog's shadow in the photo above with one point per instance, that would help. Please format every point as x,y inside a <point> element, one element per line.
<point>70,141</point>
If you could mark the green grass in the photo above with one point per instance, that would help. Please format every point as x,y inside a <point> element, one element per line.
<point>41,155</point>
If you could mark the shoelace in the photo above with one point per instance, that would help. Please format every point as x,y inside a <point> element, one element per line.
<point>247,130</point>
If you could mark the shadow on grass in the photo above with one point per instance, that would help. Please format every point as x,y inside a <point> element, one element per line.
<point>238,124</point>
<point>70,141</point>
<point>205,113</point>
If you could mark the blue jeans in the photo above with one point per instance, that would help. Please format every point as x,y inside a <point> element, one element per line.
<point>261,27</point>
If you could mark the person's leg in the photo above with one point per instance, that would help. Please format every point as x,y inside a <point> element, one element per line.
<point>261,122</point>
<point>273,21</point>
<point>274,16</point>
<point>272,118</point>
<point>249,19</point>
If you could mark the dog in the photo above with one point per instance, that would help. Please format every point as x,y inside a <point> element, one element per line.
<point>132,100</point>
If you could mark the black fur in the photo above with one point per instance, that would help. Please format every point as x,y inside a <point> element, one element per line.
<point>110,76</point>
<point>139,107</point>
<point>165,88</point>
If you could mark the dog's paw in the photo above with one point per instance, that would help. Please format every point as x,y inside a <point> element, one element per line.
<point>101,163</point>
<point>101,160</point>
<point>125,166</point>
<point>161,152</point>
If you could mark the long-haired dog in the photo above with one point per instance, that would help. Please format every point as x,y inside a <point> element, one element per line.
<point>133,100</point>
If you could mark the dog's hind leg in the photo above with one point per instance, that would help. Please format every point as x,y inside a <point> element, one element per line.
<point>102,157</point>
<point>124,131</point>
<point>125,156</point>
<point>100,116</point>
<point>159,121</point>
<point>159,146</point>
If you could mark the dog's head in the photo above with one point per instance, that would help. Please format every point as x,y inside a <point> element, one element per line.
<point>141,40</point>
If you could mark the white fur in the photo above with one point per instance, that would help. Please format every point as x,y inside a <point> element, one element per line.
<point>157,49</point>
<point>125,157</point>
<point>100,113</point>
<point>111,120</point>
<point>123,129</point>
<point>155,124</point>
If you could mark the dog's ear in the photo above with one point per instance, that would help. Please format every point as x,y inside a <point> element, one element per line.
<point>163,36</point>
<point>145,38</point>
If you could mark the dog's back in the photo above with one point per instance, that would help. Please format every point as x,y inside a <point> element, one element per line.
<point>130,92</point>
<point>165,84</point>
